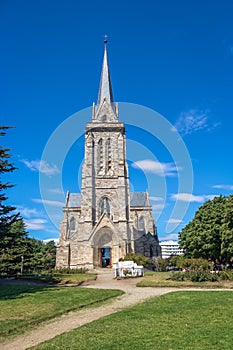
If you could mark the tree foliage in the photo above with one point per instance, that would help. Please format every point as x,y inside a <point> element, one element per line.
<point>227,230</point>
<point>7,212</point>
<point>13,246</point>
<point>210,234</point>
<point>12,229</point>
<point>139,259</point>
<point>182,262</point>
<point>41,256</point>
<point>17,251</point>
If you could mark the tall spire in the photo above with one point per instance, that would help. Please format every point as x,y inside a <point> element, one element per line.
<point>105,89</point>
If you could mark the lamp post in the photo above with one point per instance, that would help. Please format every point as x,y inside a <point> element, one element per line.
<point>22,265</point>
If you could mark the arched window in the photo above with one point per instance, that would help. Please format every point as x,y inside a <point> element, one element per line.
<point>72,224</point>
<point>72,227</point>
<point>108,154</point>
<point>141,223</point>
<point>104,206</point>
<point>100,154</point>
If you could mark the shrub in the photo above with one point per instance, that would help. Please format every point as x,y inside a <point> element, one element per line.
<point>178,276</point>
<point>201,275</point>
<point>161,264</point>
<point>198,275</point>
<point>224,275</point>
<point>182,262</point>
<point>137,258</point>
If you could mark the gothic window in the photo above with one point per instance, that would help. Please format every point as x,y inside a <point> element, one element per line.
<point>151,251</point>
<point>72,224</point>
<point>72,227</point>
<point>104,206</point>
<point>100,154</point>
<point>141,223</point>
<point>108,154</point>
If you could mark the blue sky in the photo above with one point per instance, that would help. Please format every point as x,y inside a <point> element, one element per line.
<point>171,66</point>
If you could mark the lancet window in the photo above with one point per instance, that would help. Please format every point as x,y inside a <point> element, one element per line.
<point>100,154</point>
<point>72,224</point>
<point>105,206</point>
<point>142,223</point>
<point>108,154</point>
<point>72,227</point>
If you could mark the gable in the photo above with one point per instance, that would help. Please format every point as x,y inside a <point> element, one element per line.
<point>139,199</point>
<point>105,113</point>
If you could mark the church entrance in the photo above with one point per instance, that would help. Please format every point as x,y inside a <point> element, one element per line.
<point>105,257</point>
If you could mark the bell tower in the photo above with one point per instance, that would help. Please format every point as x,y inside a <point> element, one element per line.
<point>105,221</point>
<point>105,171</point>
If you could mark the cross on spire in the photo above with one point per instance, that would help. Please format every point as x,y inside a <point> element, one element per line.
<point>105,88</point>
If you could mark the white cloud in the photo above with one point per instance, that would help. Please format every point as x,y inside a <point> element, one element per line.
<point>224,187</point>
<point>156,199</point>
<point>49,202</point>
<point>41,166</point>
<point>35,224</point>
<point>28,212</point>
<point>56,240</point>
<point>192,121</point>
<point>189,197</point>
<point>157,206</point>
<point>155,167</point>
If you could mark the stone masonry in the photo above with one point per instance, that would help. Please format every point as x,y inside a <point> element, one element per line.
<point>106,221</point>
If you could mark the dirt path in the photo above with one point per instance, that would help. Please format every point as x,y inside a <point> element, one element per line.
<point>72,320</point>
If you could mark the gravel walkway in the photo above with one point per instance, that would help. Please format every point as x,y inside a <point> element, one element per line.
<point>72,320</point>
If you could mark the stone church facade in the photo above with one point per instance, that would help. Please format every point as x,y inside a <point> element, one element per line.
<point>105,221</point>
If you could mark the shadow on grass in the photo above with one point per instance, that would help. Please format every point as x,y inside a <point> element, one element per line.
<point>12,289</point>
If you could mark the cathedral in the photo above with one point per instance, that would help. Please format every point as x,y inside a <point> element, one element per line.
<point>105,221</point>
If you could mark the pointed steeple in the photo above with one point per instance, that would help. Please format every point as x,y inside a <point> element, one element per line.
<point>105,109</point>
<point>105,89</point>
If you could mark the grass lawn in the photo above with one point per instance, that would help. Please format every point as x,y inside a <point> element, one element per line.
<point>176,321</point>
<point>60,278</point>
<point>75,278</point>
<point>23,306</point>
<point>162,279</point>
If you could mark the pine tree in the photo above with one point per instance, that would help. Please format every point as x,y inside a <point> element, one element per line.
<point>12,230</point>
<point>7,214</point>
<point>17,250</point>
<point>14,248</point>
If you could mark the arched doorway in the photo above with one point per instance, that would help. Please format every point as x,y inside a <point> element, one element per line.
<point>102,247</point>
<point>106,257</point>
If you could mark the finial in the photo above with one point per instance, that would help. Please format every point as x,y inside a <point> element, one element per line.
<point>105,39</point>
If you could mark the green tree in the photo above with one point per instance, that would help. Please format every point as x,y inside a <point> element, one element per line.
<point>139,259</point>
<point>13,246</point>
<point>40,256</point>
<point>227,230</point>
<point>7,214</point>
<point>202,237</point>
<point>17,250</point>
<point>12,231</point>
<point>49,255</point>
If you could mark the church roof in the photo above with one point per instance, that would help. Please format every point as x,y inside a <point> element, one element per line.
<point>105,89</point>
<point>73,200</point>
<point>139,199</point>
